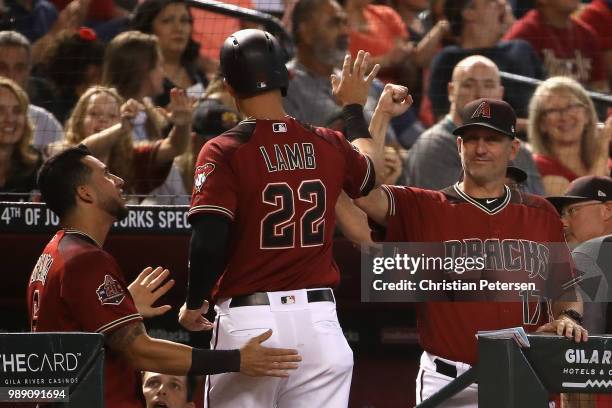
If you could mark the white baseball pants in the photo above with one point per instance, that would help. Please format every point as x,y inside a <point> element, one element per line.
<point>323,378</point>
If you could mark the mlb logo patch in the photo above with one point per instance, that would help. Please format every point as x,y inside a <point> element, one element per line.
<point>288,300</point>
<point>110,291</point>
<point>201,174</point>
<point>261,85</point>
<point>279,127</point>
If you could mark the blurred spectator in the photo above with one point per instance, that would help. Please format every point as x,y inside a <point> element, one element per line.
<point>17,58</point>
<point>598,15</point>
<point>103,122</point>
<point>15,64</point>
<point>73,63</point>
<point>210,119</point>
<point>478,26</point>
<point>566,45</point>
<point>564,135</point>
<point>171,22</point>
<point>434,162</point>
<point>133,66</point>
<point>169,391</point>
<point>320,33</point>
<point>379,30</point>
<point>19,161</point>
<point>40,22</point>
<point>99,10</point>
<point>426,41</point>
<point>211,29</point>
<point>32,18</point>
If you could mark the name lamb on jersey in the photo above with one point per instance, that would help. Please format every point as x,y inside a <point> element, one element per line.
<point>287,157</point>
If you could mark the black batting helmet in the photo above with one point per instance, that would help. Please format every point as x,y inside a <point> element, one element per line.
<point>252,61</point>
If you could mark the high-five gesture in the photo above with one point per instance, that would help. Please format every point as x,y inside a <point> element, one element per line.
<point>354,84</point>
<point>394,100</point>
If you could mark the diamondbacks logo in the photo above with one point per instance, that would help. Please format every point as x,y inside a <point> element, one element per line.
<point>484,110</point>
<point>201,173</point>
<point>110,292</point>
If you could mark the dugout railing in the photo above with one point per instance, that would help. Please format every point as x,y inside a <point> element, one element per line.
<point>510,376</point>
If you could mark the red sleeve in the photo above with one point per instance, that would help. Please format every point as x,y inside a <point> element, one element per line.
<point>95,290</point>
<point>599,17</point>
<point>147,174</point>
<point>599,71</point>
<point>214,186</point>
<point>547,166</point>
<point>398,225</point>
<point>359,176</point>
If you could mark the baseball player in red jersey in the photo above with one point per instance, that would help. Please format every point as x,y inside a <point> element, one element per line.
<point>263,218</point>
<point>482,215</point>
<point>77,286</point>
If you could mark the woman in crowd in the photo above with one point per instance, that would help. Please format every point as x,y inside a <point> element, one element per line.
<point>104,123</point>
<point>133,65</point>
<point>73,63</point>
<point>19,162</point>
<point>564,133</point>
<point>171,22</point>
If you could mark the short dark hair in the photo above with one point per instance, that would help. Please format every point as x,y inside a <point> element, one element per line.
<point>59,177</point>
<point>302,12</point>
<point>453,11</point>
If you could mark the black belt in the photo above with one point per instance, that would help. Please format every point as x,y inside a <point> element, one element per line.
<point>261,298</point>
<point>445,368</point>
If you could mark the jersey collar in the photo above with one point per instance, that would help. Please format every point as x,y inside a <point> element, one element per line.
<point>504,202</point>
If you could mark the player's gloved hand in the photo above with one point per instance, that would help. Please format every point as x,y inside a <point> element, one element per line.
<point>193,319</point>
<point>256,360</point>
<point>564,326</point>
<point>147,288</point>
<point>353,86</point>
<point>394,100</point>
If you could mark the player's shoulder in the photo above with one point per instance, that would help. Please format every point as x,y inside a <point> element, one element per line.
<point>235,137</point>
<point>80,252</point>
<point>415,193</point>
<point>534,202</point>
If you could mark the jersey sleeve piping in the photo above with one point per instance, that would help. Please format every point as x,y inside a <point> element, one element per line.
<point>369,179</point>
<point>211,209</point>
<point>391,197</point>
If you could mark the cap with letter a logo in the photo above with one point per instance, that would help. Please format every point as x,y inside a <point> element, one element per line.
<point>490,113</point>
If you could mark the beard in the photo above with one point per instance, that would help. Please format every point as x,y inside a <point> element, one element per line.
<point>333,57</point>
<point>116,208</point>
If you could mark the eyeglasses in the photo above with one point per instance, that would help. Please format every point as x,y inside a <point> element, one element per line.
<point>558,112</point>
<point>569,212</point>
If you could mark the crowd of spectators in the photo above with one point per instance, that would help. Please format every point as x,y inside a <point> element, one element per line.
<point>104,72</point>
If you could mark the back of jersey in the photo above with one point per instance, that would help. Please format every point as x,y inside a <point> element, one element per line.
<point>278,181</point>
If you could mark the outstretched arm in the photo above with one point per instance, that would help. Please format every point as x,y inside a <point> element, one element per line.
<point>149,354</point>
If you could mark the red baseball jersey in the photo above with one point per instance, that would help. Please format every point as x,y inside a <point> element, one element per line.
<point>574,51</point>
<point>278,181</point>
<point>78,287</point>
<point>514,236</point>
